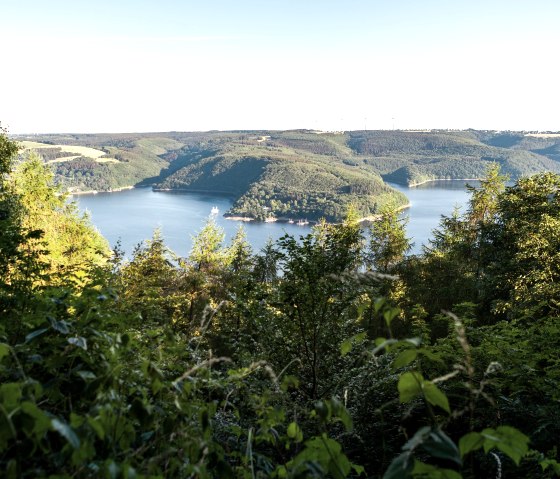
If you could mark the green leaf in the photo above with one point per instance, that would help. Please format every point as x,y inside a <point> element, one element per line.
<point>435,397</point>
<point>389,315</point>
<point>378,303</point>
<point>10,395</point>
<point>414,341</point>
<point>430,355</point>
<point>552,463</point>
<point>78,342</point>
<point>410,386</point>
<point>66,432</point>
<point>507,439</point>
<point>61,326</point>
<point>358,469</point>
<point>382,343</point>
<point>405,358</point>
<point>470,442</point>
<point>432,472</point>
<point>345,347</point>
<point>31,336</point>
<point>339,411</point>
<point>348,343</point>
<point>440,445</point>
<point>86,375</point>
<point>401,467</point>
<point>281,472</point>
<point>294,432</point>
<point>97,427</point>
<point>42,422</point>
<point>4,350</point>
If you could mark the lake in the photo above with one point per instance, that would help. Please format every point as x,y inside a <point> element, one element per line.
<point>132,215</point>
<point>428,202</point>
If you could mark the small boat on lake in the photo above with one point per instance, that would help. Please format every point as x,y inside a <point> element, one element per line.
<point>214,211</point>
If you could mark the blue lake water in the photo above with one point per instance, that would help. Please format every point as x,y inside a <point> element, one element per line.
<point>428,203</point>
<point>132,215</point>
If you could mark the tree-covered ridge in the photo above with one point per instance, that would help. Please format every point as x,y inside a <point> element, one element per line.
<point>323,356</point>
<point>296,174</point>
<point>414,157</point>
<point>279,181</point>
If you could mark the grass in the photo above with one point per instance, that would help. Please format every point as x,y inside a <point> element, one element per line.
<point>84,151</point>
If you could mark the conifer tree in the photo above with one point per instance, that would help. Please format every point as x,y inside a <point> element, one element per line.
<point>388,242</point>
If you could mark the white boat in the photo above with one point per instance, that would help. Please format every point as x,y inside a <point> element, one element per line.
<point>291,221</point>
<point>214,211</point>
<point>302,222</point>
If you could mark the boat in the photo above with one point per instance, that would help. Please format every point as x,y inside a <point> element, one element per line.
<point>302,222</point>
<point>291,221</point>
<point>214,211</point>
<point>270,219</point>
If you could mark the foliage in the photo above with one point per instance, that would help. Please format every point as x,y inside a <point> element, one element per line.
<point>289,363</point>
<point>294,174</point>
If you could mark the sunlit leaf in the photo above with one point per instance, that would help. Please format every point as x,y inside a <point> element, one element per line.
<point>404,358</point>
<point>66,431</point>
<point>410,386</point>
<point>435,397</point>
<point>470,442</point>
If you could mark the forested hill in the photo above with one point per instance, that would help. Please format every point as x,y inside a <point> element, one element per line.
<point>299,174</point>
<point>330,356</point>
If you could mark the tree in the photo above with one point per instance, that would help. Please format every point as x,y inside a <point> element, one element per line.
<point>523,273</point>
<point>150,284</point>
<point>239,252</point>
<point>207,253</point>
<point>69,242</point>
<point>454,266</point>
<point>266,263</point>
<point>315,303</point>
<point>388,242</point>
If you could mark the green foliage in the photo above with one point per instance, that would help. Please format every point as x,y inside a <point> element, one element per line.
<point>295,174</point>
<point>73,245</point>
<point>284,364</point>
<point>388,241</point>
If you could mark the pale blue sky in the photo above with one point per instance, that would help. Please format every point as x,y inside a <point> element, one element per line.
<point>185,65</point>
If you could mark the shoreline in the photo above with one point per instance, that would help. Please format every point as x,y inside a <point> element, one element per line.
<point>372,218</point>
<point>189,190</point>
<point>413,185</point>
<point>245,219</point>
<point>95,192</point>
<point>239,218</point>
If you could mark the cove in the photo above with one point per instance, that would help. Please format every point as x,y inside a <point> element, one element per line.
<point>131,216</point>
<point>428,202</point>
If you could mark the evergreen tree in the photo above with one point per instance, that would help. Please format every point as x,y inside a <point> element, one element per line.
<point>388,242</point>
<point>150,284</point>
<point>70,244</point>
<point>208,253</point>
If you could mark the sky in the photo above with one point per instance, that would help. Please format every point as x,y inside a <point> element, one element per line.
<point>183,65</point>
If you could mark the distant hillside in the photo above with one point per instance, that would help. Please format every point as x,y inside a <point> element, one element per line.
<point>291,174</point>
<point>276,180</point>
<point>414,157</point>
